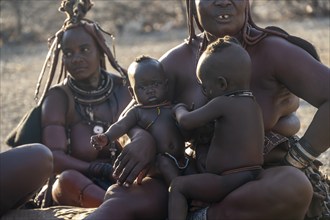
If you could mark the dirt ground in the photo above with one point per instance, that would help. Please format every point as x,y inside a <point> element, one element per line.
<point>20,66</point>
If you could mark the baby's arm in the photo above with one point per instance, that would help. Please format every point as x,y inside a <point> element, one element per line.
<point>201,116</point>
<point>115,131</point>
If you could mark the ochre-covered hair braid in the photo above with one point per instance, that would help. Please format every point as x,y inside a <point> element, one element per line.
<point>75,11</point>
<point>248,38</point>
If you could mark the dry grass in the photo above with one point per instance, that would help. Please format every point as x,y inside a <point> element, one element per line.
<point>20,66</point>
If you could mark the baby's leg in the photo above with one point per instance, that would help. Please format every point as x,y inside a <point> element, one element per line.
<point>167,168</point>
<point>206,187</point>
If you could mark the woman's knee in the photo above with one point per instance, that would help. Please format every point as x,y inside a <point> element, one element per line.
<point>66,188</point>
<point>299,188</point>
<point>30,164</point>
<point>74,188</point>
<point>36,157</point>
<point>37,162</point>
<point>296,193</point>
<point>70,179</point>
<point>43,156</point>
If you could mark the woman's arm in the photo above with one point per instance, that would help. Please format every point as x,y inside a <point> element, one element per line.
<point>54,135</point>
<point>136,157</point>
<point>309,80</point>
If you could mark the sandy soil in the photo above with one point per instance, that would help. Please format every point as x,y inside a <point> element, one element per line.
<point>20,66</point>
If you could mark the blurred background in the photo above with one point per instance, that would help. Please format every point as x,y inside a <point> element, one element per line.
<point>35,20</point>
<point>149,27</point>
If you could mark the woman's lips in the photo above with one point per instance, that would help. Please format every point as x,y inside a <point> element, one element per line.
<point>79,69</point>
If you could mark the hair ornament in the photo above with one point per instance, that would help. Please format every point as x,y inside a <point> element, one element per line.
<point>75,10</point>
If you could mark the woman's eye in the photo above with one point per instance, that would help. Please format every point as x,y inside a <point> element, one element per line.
<point>67,54</point>
<point>85,49</point>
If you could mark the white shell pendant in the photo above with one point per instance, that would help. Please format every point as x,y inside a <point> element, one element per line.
<point>98,129</point>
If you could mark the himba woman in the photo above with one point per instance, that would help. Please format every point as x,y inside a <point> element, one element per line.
<point>284,69</point>
<point>86,101</point>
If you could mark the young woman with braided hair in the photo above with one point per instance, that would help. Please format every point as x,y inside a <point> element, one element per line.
<point>86,101</point>
<point>284,69</point>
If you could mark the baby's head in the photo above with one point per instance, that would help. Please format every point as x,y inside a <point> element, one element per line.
<point>224,66</point>
<point>148,84</point>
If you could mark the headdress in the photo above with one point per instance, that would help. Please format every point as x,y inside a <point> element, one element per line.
<point>76,11</point>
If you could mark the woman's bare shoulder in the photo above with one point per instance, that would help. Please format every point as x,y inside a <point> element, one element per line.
<point>54,106</point>
<point>279,46</point>
<point>180,51</point>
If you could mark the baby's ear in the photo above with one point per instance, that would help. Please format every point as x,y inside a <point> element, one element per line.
<point>222,82</point>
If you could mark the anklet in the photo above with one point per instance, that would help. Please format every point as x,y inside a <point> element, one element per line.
<point>81,194</point>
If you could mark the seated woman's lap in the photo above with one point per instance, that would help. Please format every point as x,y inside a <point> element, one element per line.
<point>279,193</point>
<point>145,201</point>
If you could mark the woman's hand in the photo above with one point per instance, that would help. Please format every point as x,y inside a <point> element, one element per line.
<point>136,158</point>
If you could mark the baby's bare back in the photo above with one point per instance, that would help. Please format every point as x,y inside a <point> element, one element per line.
<point>238,137</point>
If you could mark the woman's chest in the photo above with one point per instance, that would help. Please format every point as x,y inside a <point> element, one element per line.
<point>95,118</point>
<point>89,120</point>
<point>191,94</point>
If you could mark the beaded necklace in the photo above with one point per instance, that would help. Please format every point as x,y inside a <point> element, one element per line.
<point>239,93</point>
<point>86,100</point>
<point>158,111</point>
<point>96,96</point>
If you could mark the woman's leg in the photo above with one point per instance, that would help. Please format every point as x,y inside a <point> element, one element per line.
<point>279,193</point>
<point>145,201</point>
<point>24,170</point>
<point>75,189</point>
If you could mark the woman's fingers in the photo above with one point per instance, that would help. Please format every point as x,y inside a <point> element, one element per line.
<point>120,163</point>
<point>128,174</point>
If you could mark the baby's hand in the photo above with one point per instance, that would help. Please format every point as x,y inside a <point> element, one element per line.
<point>99,141</point>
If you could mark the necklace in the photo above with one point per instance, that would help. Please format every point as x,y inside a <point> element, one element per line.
<point>239,93</point>
<point>86,100</point>
<point>158,108</point>
<point>98,126</point>
<point>165,103</point>
<point>155,119</point>
<point>96,96</point>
